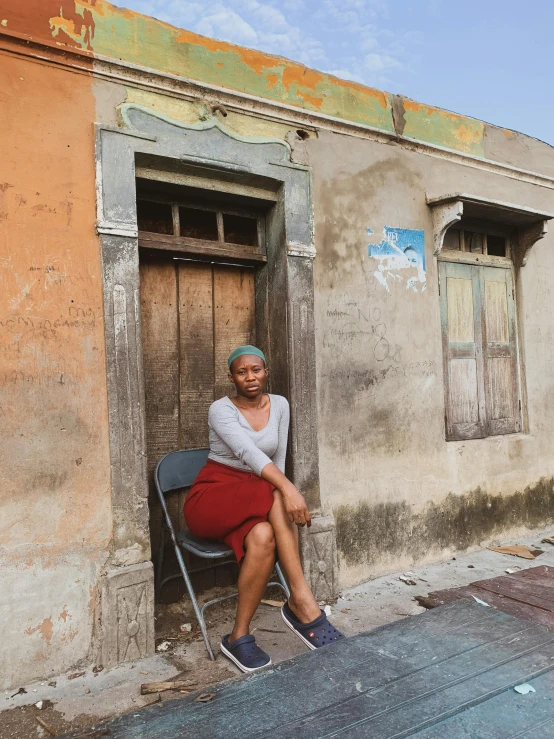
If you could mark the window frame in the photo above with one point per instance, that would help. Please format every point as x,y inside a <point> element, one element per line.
<point>482,227</point>
<point>204,247</point>
<point>478,264</point>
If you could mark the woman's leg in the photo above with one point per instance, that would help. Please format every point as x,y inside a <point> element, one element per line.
<point>254,575</point>
<point>301,601</point>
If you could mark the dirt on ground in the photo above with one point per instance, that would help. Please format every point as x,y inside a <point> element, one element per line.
<point>185,651</point>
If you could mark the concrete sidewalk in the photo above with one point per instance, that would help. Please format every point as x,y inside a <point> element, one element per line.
<point>79,702</point>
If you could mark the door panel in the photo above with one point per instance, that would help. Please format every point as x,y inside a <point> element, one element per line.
<point>500,351</point>
<point>196,351</point>
<point>462,351</point>
<point>193,315</point>
<point>234,318</point>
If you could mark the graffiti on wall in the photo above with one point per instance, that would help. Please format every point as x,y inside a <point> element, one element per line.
<point>401,258</point>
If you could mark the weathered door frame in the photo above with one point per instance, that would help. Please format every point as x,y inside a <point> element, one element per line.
<point>127,592</point>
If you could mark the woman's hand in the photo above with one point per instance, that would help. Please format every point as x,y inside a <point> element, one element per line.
<point>296,507</point>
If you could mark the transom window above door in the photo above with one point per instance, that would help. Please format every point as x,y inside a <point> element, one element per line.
<point>478,240</point>
<point>194,224</point>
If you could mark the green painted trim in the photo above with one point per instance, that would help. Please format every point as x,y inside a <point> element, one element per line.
<point>206,125</point>
<point>105,31</point>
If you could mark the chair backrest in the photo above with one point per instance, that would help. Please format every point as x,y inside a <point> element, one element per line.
<point>179,469</point>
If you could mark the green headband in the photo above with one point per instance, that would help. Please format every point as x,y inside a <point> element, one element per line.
<point>242,350</point>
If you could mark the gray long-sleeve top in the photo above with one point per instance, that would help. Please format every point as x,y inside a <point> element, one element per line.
<point>235,443</point>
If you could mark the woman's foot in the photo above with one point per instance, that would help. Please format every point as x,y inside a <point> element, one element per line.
<point>245,653</point>
<point>315,634</point>
<point>304,609</point>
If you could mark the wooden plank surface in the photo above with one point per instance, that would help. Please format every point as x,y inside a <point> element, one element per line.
<point>158,301</point>
<point>528,594</point>
<point>196,342</point>
<point>234,319</point>
<point>432,675</point>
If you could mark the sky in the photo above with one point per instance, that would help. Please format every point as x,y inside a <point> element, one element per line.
<point>484,58</point>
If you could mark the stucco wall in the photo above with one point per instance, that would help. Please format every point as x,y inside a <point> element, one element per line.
<point>399,491</point>
<point>55,510</point>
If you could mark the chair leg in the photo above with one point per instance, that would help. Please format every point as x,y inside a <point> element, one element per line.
<point>160,562</point>
<point>282,579</point>
<point>197,611</point>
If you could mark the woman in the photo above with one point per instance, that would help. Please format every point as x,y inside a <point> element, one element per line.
<point>243,498</point>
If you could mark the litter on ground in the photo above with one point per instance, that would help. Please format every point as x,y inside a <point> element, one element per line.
<point>518,550</point>
<point>524,689</point>
<point>481,602</point>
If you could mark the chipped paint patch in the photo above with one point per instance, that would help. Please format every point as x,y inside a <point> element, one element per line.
<point>45,629</point>
<point>401,258</point>
<point>316,102</point>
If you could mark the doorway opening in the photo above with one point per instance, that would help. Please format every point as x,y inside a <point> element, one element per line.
<point>201,257</point>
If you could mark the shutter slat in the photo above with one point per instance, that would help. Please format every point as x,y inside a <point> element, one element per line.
<point>500,350</point>
<point>462,351</point>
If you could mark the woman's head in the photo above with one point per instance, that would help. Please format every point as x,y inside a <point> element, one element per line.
<point>247,371</point>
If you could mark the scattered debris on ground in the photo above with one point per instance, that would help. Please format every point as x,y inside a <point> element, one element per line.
<point>69,705</point>
<point>407,580</point>
<point>524,689</point>
<point>518,550</point>
<point>205,697</point>
<point>184,686</point>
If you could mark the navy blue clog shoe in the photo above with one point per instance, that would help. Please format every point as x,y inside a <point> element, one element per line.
<point>318,633</point>
<point>245,653</point>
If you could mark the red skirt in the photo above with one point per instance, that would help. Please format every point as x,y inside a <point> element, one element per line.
<point>225,504</point>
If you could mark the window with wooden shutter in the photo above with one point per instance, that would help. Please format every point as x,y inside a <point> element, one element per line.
<point>480,350</point>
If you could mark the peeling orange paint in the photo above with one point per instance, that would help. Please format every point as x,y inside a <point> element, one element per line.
<point>46,630</point>
<point>68,636</point>
<point>316,102</point>
<point>466,135</point>
<point>64,615</point>
<point>301,76</point>
<point>256,60</point>
<point>272,79</point>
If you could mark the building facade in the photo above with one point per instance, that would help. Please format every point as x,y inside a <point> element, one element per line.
<point>164,197</point>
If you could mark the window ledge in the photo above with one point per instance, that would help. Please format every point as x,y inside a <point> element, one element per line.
<point>531,224</point>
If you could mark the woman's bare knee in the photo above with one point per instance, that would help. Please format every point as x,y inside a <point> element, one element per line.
<point>261,537</point>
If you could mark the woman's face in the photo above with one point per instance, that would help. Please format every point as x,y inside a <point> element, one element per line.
<point>249,375</point>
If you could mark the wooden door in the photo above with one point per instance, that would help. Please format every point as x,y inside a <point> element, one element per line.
<point>480,351</point>
<point>193,315</point>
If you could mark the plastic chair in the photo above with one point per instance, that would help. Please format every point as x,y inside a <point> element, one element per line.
<point>177,470</point>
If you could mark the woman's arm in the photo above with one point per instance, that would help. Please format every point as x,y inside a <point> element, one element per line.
<point>295,505</point>
<point>224,422</point>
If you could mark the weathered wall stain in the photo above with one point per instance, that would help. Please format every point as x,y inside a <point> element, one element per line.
<point>369,533</point>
